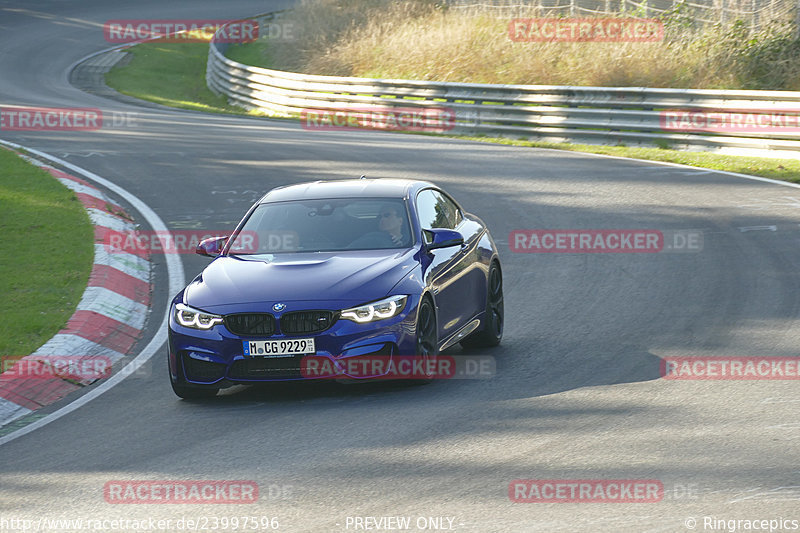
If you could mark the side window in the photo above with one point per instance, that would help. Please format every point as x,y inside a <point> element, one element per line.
<point>436,210</point>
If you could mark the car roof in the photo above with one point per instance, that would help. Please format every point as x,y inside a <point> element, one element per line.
<point>348,188</point>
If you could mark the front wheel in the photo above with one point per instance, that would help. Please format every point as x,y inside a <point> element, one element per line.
<point>427,338</point>
<point>492,332</point>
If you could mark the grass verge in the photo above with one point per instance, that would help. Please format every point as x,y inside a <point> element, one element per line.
<point>48,243</point>
<point>766,167</point>
<point>427,40</point>
<point>172,74</point>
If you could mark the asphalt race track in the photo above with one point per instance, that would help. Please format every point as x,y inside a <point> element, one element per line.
<point>577,393</point>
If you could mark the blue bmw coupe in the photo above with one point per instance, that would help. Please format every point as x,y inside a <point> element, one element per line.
<point>336,270</point>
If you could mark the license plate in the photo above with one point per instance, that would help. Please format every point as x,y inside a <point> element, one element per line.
<point>281,348</point>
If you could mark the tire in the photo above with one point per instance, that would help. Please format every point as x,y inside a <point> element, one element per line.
<point>492,331</point>
<point>189,392</point>
<point>427,335</point>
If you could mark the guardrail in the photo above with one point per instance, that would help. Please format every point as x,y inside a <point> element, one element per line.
<point>633,116</point>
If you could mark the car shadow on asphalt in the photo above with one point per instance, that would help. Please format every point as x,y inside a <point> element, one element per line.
<point>521,368</point>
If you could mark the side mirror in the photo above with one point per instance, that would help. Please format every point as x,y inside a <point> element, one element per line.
<point>211,247</point>
<point>443,238</point>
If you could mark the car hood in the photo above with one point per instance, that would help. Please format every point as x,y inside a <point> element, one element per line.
<point>357,276</point>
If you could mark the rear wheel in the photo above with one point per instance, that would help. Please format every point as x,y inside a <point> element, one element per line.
<point>492,332</point>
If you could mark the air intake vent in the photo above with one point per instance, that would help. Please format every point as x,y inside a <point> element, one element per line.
<point>267,368</point>
<point>254,324</point>
<point>205,371</point>
<point>304,322</point>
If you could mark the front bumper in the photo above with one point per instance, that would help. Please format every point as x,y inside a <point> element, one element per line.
<point>215,357</point>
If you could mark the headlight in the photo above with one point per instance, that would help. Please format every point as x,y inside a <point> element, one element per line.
<point>377,310</point>
<point>194,318</point>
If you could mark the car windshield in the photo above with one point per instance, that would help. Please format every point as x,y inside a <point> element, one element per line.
<point>325,225</point>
